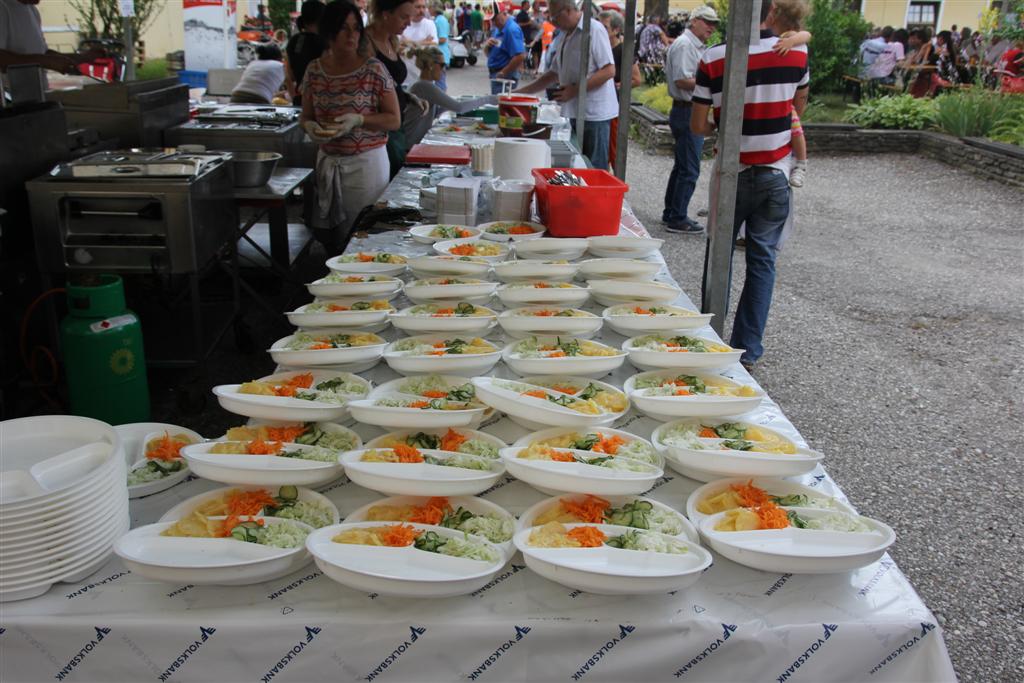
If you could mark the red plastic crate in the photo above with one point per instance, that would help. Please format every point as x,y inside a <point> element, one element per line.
<point>569,211</point>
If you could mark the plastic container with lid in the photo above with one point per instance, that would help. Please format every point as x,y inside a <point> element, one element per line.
<point>570,211</point>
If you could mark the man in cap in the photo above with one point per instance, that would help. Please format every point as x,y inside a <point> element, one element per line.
<point>681,63</point>
<point>506,50</point>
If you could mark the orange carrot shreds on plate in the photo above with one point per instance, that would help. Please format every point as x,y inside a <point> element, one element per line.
<point>231,521</point>
<point>772,516</point>
<point>561,456</point>
<point>441,312</point>
<point>365,258</point>
<point>545,313</point>
<point>399,535</point>
<point>536,393</point>
<point>165,448</point>
<point>249,502</point>
<point>682,392</point>
<point>587,536</point>
<point>462,250</point>
<point>520,230</point>
<point>432,393</point>
<point>452,440</point>
<point>751,495</point>
<point>565,390</point>
<point>285,433</point>
<point>419,404</point>
<point>261,447</point>
<point>707,433</point>
<point>639,310</point>
<point>541,285</point>
<point>608,444</point>
<point>407,453</point>
<point>431,512</point>
<point>334,308</point>
<point>354,278</point>
<point>590,509</point>
<point>303,381</point>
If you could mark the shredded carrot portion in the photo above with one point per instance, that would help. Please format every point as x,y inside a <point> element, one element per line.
<point>536,393</point>
<point>165,448</point>
<point>407,453</point>
<point>365,258</point>
<point>547,312</point>
<point>354,278</point>
<point>249,502</point>
<point>608,444</point>
<point>707,433</point>
<point>541,285</point>
<point>261,447</point>
<point>452,440</point>
<point>520,230</point>
<point>639,310</point>
<point>750,495</point>
<point>465,233</point>
<point>444,311</point>
<point>435,394</point>
<point>462,250</point>
<point>565,390</point>
<point>419,404</point>
<point>679,350</point>
<point>557,354</point>
<point>303,381</point>
<point>431,512</point>
<point>590,509</point>
<point>436,353</point>
<point>561,456</point>
<point>318,347</point>
<point>334,308</point>
<point>587,536</point>
<point>682,392</point>
<point>772,516</point>
<point>399,535</point>
<point>232,521</point>
<point>285,433</point>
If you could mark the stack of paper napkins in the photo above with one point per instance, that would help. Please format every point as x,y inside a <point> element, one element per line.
<point>457,200</point>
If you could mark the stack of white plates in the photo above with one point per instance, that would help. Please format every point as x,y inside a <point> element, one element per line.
<point>63,501</point>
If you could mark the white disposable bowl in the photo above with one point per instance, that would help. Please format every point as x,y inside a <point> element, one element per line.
<point>422,291</point>
<point>538,231</point>
<point>387,288</point>
<point>369,268</point>
<point>653,360</point>
<point>577,477</point>
<point>525,270</point>
<point>396,417</point>
<point>580,366</point>
<point>407,321</point>
<point>630,325</point>
<point>302,317</point>
<point>613,292</point>
<point>465,364</point>
<point>512,296</point>
<point>618,269</point>
<point>421,233</point>
<point>667,408</point>
<point>259,470</point>
<point>534,413</point>
<point>519,326</point>
<point>444,248</point>
<point>438,266</point>
<point>420,479</point>
<point>624,247</point>
<point>552,248</point>
<point>356,354</point>
<point>527,519</point>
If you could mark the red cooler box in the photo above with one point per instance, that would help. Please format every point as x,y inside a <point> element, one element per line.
<point>570,211</point>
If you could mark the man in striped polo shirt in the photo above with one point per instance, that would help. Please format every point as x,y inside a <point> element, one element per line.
<point>776,85</point>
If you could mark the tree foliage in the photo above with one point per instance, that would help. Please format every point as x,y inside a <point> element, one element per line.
<point>837,34</point>
<point>102,18</point>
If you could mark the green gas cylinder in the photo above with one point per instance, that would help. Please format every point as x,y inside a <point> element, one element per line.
<point>103,356</point>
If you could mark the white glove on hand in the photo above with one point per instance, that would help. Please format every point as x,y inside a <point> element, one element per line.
<point>317,132</point>
<point>346,122</point>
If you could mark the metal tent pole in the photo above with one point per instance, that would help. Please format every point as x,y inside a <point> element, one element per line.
<point>581,98</point>
<point>625,90</point>
<point>743,30</point>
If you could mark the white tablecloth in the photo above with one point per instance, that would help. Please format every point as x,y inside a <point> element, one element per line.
<point>734,624</point>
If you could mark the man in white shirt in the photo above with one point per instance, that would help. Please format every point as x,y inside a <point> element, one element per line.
<point>22,41</point>
<point>874,46</point>
<point>602,102</point>
<point>681,63</point>
<point>421,31</point>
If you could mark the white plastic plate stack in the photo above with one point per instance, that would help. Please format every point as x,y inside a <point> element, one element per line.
<point>63,501</point>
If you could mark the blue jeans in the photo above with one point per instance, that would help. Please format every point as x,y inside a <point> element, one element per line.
<point>595,142</point>
<point>496,87</point>
<point>762,201</point>
<point>686,169</point>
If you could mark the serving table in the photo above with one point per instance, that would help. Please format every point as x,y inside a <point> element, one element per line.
<point>734,624</point>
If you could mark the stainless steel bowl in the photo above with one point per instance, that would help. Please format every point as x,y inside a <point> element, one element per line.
<point>253,169</point>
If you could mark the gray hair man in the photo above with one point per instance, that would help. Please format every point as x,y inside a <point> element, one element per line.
<point>681,63</point>
<point>564,71</point>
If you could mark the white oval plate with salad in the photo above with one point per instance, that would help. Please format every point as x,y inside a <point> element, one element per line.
<point>528,270</point>
<point>727,494</point>
<point>341,313</point>
<point>614,292</point>
<point>666,350</point>
<point>667,395</point>
<point>327,346</point>
<point>403,410</point>
<point>576,471</point>
<point>136,440</point>
<point>349,286</point>
<point>226,561</point>
<point>614,246</point>
<point>544,248</point>
<point>522,402</point>
<point>599,440</point>
<point>430,353</point>
<point>405,570</point>
<point>368,263</point>
<point>327,393</point>
<point>440,318</point>
<point>814,541</point>
<point>634,512</point>
<point>514,231</point>
<point>623,561</point>
<point>562,356</point>
<point>410,471</point>
<point>424,267</point>
<point>468,514</point>
<point>706,450</point>
<point>486,250</point>
<point>452,387</point>
<point>450,289</point>
<point>632,319</point>
<point>542,293</point>
<point>287,502</point>
<point>529,321</point>
<point>273,468</point>
<point>618,269</point>
<point>323,434</point>
<point>428,234</point>
<point>458,440</point>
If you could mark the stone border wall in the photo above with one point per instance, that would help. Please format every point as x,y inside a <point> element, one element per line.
<point>994,161</point>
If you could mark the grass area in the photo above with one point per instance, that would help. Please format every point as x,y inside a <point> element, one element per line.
<point>153,68</point>
<point>828,108</point>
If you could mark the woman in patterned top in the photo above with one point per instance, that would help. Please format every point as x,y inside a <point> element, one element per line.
<point>348,105</point>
